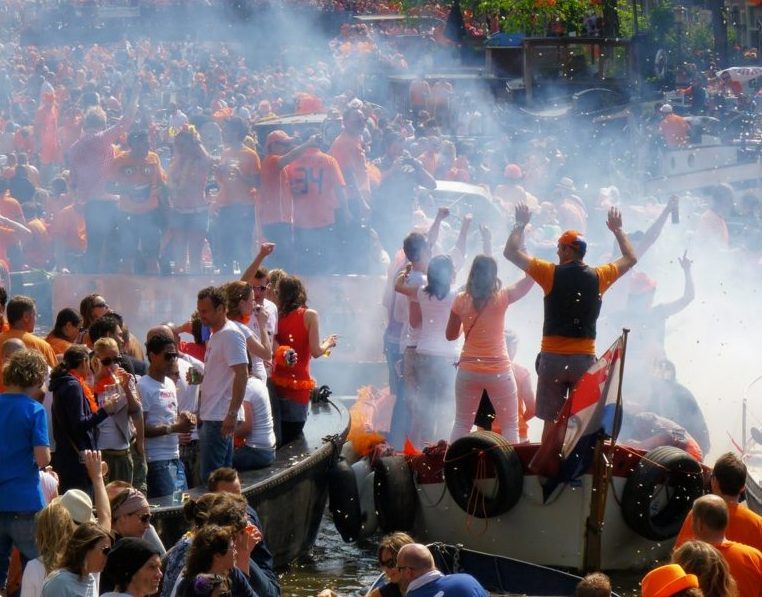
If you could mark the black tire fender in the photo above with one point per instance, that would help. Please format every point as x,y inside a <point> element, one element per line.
<point>344,500</point>
<point>394,494</point>
<point>660,491</point>
<point>462,463</point>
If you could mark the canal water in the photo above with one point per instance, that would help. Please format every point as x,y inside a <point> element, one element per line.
<point>350,568</point>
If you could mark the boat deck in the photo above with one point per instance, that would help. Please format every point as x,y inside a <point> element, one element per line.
<point>289,496</point>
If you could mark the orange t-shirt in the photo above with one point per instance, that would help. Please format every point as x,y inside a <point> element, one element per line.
<point>38,249</point>
<point>744,526</point>
<point>68,227</point>
<point>674,129</point>
<point>11,209</point>
<point>312,181</point>
<point>234,189</point>
<point>543,272</point>
<point>745,563</point>
<point>484,348</point>
<point>273,205</point>
<point>32,342</point>
<point>59,345</point>
<point>139,181</point>
<point>349,153</point>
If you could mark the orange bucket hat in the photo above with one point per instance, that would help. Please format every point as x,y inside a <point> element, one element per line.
<point>665,581</point>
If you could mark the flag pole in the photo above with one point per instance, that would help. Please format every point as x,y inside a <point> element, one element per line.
<point>602,467</point>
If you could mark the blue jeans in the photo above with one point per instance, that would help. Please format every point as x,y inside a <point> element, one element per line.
<point>247,458</point>
<point>16,528</point>
<point>215,451</point>
<point>162,475</point>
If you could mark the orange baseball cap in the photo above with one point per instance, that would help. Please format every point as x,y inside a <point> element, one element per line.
<point>513,172</point>
<point>665,581</point>
<point>277,137</point>
<point>572,238</point>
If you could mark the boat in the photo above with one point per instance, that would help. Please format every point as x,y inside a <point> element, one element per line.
<point>290,496</point>
<point>621,509</point>
<point>501,575</point>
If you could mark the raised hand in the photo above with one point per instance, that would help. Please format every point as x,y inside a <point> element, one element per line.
<point>523,215</point>
<point>684,262</point>
<point>614,221</point>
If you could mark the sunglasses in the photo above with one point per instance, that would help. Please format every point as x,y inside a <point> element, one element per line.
<point>105,550</point>
<point>100,306</point>
<point>390,563</point>
<point>108,361</point>
<point>261,288</point>
<point>144,519</point>
<point>170,356</point>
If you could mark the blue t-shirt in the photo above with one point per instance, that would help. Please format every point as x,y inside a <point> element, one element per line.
<point>23,425</point>
<point>451,585</point>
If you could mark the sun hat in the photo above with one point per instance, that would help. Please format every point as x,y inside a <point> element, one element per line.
<point>78,504</point>
<point>667,580</point>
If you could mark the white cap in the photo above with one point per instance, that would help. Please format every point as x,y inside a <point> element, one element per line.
<point>666,109</point>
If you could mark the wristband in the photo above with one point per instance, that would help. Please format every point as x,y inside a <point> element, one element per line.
<point>232,413</point>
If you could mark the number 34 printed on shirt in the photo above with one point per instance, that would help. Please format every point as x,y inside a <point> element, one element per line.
<point>302,178</point>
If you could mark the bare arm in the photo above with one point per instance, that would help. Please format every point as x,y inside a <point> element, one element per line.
<point>94,465</point>
<point>460,244</point>
<point>260,347</point>
<point>240,375</point>
<point>400,283</point>
<point>519,289</point>
<point>454,323</point>
<point>628,258</point>
<point>486,240</point>
<point>317,348</point>
<point>433,234</point>
<point>653,232</point>
<point>514,247</point>
<point>415,316</point>
<point>264,250</point>
<point>689,292</point>
<point>42,456</point>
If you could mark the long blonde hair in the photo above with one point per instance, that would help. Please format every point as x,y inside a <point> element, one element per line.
<point>53,527</point>
<point>706,562</point>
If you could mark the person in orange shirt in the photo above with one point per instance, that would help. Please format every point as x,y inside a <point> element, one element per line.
<point>274,210</point>
<point>187,176</point>
<point>710,521</point>
<point>729,482</point>
<point>573,292</point>
<point>315,185</point>
<point>349,152</point>
<point>68,232</point>
<point>22,316</point>
<point>10,207</point>
<point>65,330</point>
<point>138,178</point>
<point>38,247</point>
<point>420,93</point>
<point>673,127</point>
<point>46,132</point>
<point>237,174</point>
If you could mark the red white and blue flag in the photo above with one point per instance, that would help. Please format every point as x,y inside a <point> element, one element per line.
<point>593,407</point>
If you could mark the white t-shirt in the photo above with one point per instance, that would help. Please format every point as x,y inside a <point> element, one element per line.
<point>261,434</point>
<point>249,333</point>
<point>409,334</point>
<point>259,368</point>
<point>435,314</point>
<point>224,349</point>
<point>114,431</point>
<point>34,576</point>
<point>159,408</point>
<point>187,394</point>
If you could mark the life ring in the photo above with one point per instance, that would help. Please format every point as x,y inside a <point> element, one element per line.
<point>660,491</point>
<point>394,494</point>
<point>483,453</point>
<point>344,501</point>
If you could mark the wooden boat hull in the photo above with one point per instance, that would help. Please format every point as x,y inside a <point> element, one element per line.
<point>290,496</point>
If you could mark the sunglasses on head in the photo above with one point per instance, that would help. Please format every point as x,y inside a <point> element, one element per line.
<point>108,361</point>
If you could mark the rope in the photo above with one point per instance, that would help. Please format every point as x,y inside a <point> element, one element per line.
<point>476,497</point>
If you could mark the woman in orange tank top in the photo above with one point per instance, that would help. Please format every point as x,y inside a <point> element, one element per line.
<point>298,340</point>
